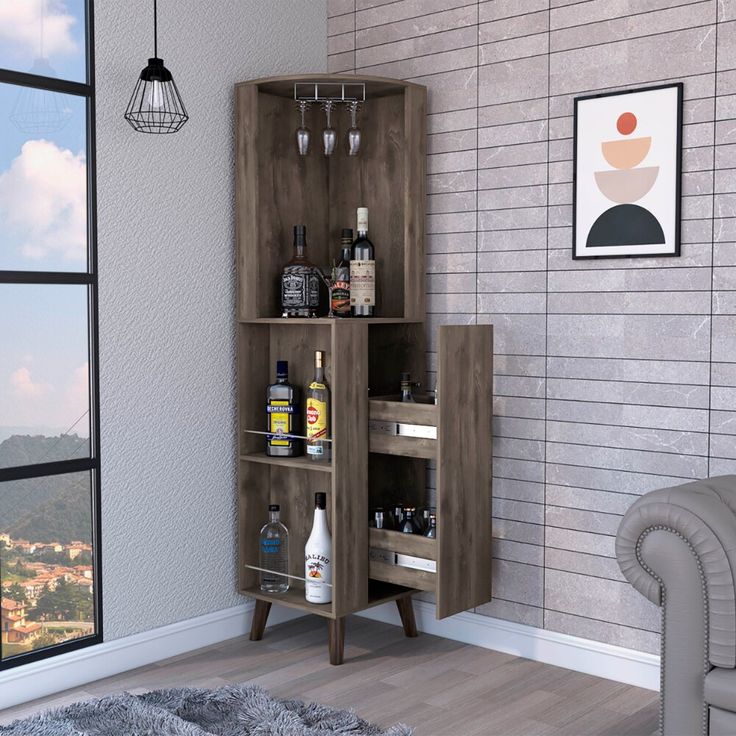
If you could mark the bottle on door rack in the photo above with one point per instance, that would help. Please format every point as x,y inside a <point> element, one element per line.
<point>406,394</point>
<point>283,415</point>
<point>318,556</point>
<point>274,553</point>
<point>318,413</point>
<point>299,281</point>
<point>340,294</point>
<point>362,270</point>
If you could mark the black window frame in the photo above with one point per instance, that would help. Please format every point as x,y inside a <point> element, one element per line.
<point>85,90</point>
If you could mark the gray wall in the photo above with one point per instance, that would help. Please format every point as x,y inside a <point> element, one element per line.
<point>613,377</point>
<point>166,262</point>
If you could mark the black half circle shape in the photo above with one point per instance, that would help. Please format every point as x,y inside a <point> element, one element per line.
<point>625,224</point>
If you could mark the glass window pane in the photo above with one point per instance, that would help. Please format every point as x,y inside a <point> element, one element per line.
<point>43,180</point>
<point>44,374</point>
<point>46,562</point>
<point>44,37</point>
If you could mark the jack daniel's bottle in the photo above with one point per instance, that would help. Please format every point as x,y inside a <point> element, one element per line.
<point>299,281</point>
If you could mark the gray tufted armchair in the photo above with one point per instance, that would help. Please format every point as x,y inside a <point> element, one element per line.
<point>677,546</point>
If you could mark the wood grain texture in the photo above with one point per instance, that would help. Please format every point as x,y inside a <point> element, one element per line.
<point>287,462</point>
<point>247,198</point>
<point>415,178</point>
<point>419,579</point>
<point>374,179</point>
<point>437,686</point>
<point>404,446</point>
<point>394,410</point>
<point>336,637</point>
<point>260,618</point>
<point>350,465</point>
<point>406,613</point>
<point>465,381</point>
<point>293,598</point>
<point>405,544</point>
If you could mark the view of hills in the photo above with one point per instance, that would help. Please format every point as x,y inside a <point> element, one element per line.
<point>54,508</point>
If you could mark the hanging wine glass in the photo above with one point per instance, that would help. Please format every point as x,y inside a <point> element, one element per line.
<point>329,134</point>
<point>354,132</point>
<point>302,132</point>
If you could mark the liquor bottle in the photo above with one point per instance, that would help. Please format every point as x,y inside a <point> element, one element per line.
<point>274,548</point>
<point>362,270</point>
<point>341,277</point>
<point>283,414</point>
<point>318,413</point>
<point>299,281</point>
<point>406,388</point>
<point>431,532</point>
<point>398,516</point>
<point>318,556</point>
<point>408,526</point>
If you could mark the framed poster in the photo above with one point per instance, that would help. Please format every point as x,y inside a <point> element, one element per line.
<point>627,159</point>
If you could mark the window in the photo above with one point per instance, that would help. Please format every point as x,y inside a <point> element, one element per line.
<point>49,414</point>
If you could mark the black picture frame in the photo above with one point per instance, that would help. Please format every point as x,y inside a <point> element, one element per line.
<point>679,86</point>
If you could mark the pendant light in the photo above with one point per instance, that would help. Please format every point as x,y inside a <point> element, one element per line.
<point>38,111</point>
<point>155,105</point>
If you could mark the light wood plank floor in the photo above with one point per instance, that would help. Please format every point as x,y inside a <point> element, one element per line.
<point>441,687</point>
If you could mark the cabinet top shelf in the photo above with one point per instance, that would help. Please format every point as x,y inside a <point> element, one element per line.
<point>374,86</point>
<point>328,320</point>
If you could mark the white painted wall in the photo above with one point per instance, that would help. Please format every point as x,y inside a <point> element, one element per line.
<point>167,298</point>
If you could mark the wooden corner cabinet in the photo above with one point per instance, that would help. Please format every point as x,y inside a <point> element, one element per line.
<point>276,188</point>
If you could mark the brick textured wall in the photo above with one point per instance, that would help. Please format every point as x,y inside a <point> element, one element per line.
<point>612,377</point>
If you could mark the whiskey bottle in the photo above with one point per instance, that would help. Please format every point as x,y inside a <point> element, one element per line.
<point>299,281</point>
<point>341,277</point>
<point>318,413</point>
<point>431,532</point>
<point>318,556</point>
<point>274,554</point>
<point>406,394</point>
<point>283,415</point>
<point>362,270</point>
<point>398,516</point>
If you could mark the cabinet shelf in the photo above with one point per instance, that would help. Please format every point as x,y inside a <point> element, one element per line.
<point>378,592</point>
<point>286,462</point>
<point>293,598</point>
<point>391,444</point>
<point>329,320</point>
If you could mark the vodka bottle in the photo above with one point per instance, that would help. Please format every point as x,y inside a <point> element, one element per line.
<point>274,547</point>
<point>318,555</point>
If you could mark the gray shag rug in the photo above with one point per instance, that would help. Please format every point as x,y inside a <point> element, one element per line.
<point>236,710</point>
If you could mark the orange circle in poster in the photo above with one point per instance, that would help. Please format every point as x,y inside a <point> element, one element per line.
<point>626,123</point>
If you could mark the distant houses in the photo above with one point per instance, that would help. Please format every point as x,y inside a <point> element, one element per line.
<point>14,629</point>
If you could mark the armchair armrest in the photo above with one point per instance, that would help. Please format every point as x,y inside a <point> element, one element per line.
<point>703,515</point>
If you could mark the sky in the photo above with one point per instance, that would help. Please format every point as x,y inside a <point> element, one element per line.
<point>43,220</point>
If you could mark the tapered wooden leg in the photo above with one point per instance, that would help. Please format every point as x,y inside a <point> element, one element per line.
<point>260,617</point>
<point>406,611</point>
<point>336,628</point>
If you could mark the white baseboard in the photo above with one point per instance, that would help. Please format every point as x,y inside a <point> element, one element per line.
<point>562,650</point>
<point>38,679</point>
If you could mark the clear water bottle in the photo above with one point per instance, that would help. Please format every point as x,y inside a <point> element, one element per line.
<point>274,546</point>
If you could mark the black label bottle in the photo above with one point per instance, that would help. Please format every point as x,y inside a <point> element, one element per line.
<point>299,281</point>
<point>362,270</point>
<point>283,413</point>
<point>341,277</point>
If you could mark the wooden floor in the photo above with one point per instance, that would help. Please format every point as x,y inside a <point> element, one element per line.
<point>441,687</point>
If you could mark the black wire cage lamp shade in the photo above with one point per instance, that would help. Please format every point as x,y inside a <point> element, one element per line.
<point>156,105</point>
